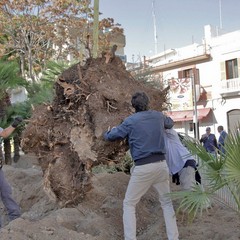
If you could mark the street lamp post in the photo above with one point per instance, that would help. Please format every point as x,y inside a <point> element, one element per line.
<point>195,113</point>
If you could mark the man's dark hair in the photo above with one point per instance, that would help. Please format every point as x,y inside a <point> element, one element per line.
<point>140,101</point>
<point>220,128</point>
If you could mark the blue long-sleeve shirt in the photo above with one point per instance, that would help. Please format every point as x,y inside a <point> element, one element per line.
<point>221,140</point>
<point>209,142</point>
<point>144,131</point>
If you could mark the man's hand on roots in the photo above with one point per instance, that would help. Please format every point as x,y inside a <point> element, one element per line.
<point>17,121</point>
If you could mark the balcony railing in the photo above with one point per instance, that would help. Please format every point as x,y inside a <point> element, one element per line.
<point>230,86</point>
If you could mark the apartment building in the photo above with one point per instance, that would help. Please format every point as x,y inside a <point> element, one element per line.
<point>204,82</point>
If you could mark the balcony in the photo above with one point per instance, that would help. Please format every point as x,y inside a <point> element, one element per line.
<point>230,87</point>
<point>181,63</point>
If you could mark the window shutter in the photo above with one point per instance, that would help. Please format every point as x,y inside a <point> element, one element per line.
<point>180,74</point>
<point>238,67</point>
<point>196,76</point>
<point>223,71</point>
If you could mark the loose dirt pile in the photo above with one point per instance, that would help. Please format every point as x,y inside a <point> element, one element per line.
<point>99,215</point>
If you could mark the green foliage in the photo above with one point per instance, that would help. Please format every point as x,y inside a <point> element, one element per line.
<point>38,93</point>
<point>9,76</point>
<point>127,163</point>
<point>148,78</point>
<point>219,170</point>
<point>193,202</point>
<point>53,69</point>
<point>232,165</point>
<point>9,79</point>
<point>22,109</point>
<point>123,165</point>
<point>104,169</point>
<point>19,109</point>
<point>43,92</point>
<point>232,170</point>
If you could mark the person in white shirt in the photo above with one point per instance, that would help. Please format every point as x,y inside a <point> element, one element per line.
<point>179,160</point>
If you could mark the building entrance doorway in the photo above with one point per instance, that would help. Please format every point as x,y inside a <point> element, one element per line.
<point>233,120</point>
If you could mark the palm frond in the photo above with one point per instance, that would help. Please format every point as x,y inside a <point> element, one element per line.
<point>9,75</point>
<point>232,166</point>
<point>40,93</point>
<point>22,109</point>
<point>193,202</point>
<point>54,69</point>
<point>210,164</point>
<point>196,148</point>
<point>220,174</point>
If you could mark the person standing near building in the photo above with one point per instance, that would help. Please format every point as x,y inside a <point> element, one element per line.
<point>209,141</point>
<point>5,189</point>
<point>221,139</point>
<point>179,160</point>
<point>145,133</point>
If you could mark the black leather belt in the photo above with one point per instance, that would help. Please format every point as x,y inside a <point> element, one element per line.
<point>150,159</point>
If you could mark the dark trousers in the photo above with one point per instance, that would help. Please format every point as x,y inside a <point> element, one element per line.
<point>12,207</point>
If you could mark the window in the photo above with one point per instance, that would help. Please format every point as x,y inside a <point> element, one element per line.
<point>231,69</point>
<point>189,73</point>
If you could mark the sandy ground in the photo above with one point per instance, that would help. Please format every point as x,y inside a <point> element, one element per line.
<point>99,215</point>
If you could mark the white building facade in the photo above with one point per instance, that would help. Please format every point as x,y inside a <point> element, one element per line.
<point>205,83</point>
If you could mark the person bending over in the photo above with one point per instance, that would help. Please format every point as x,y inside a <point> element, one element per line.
<point>179,160</point>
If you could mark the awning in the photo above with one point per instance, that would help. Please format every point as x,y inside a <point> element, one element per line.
<point>187,115</point>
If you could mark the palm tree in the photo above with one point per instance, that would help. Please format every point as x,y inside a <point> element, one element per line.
<point>37,93</point>
<point>43,92</point>
<point>9,78</point>
<point>4,102</point>
<point>218,172</point>
<point>22,109</point>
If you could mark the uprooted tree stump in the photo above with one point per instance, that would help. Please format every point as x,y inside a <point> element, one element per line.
<point>67,136</point>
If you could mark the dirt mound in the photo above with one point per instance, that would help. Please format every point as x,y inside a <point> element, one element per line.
<point>99,215</point>
<point>67,136</point>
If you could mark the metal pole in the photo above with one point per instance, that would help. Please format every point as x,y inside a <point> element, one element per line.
<point>195,115</point>
<point>220,14</point>
<point>154,27</point>
<point>95,28</point>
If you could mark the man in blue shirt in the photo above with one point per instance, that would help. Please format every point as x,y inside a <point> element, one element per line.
<point>145,133</point>
<point>209,141</point>
<point>221,139</point>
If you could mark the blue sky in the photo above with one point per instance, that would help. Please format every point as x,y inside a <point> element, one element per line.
<point>178,22</point>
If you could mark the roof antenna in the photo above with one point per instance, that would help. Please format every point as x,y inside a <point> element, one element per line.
<point>220,13</point>
<point>154,27</point>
